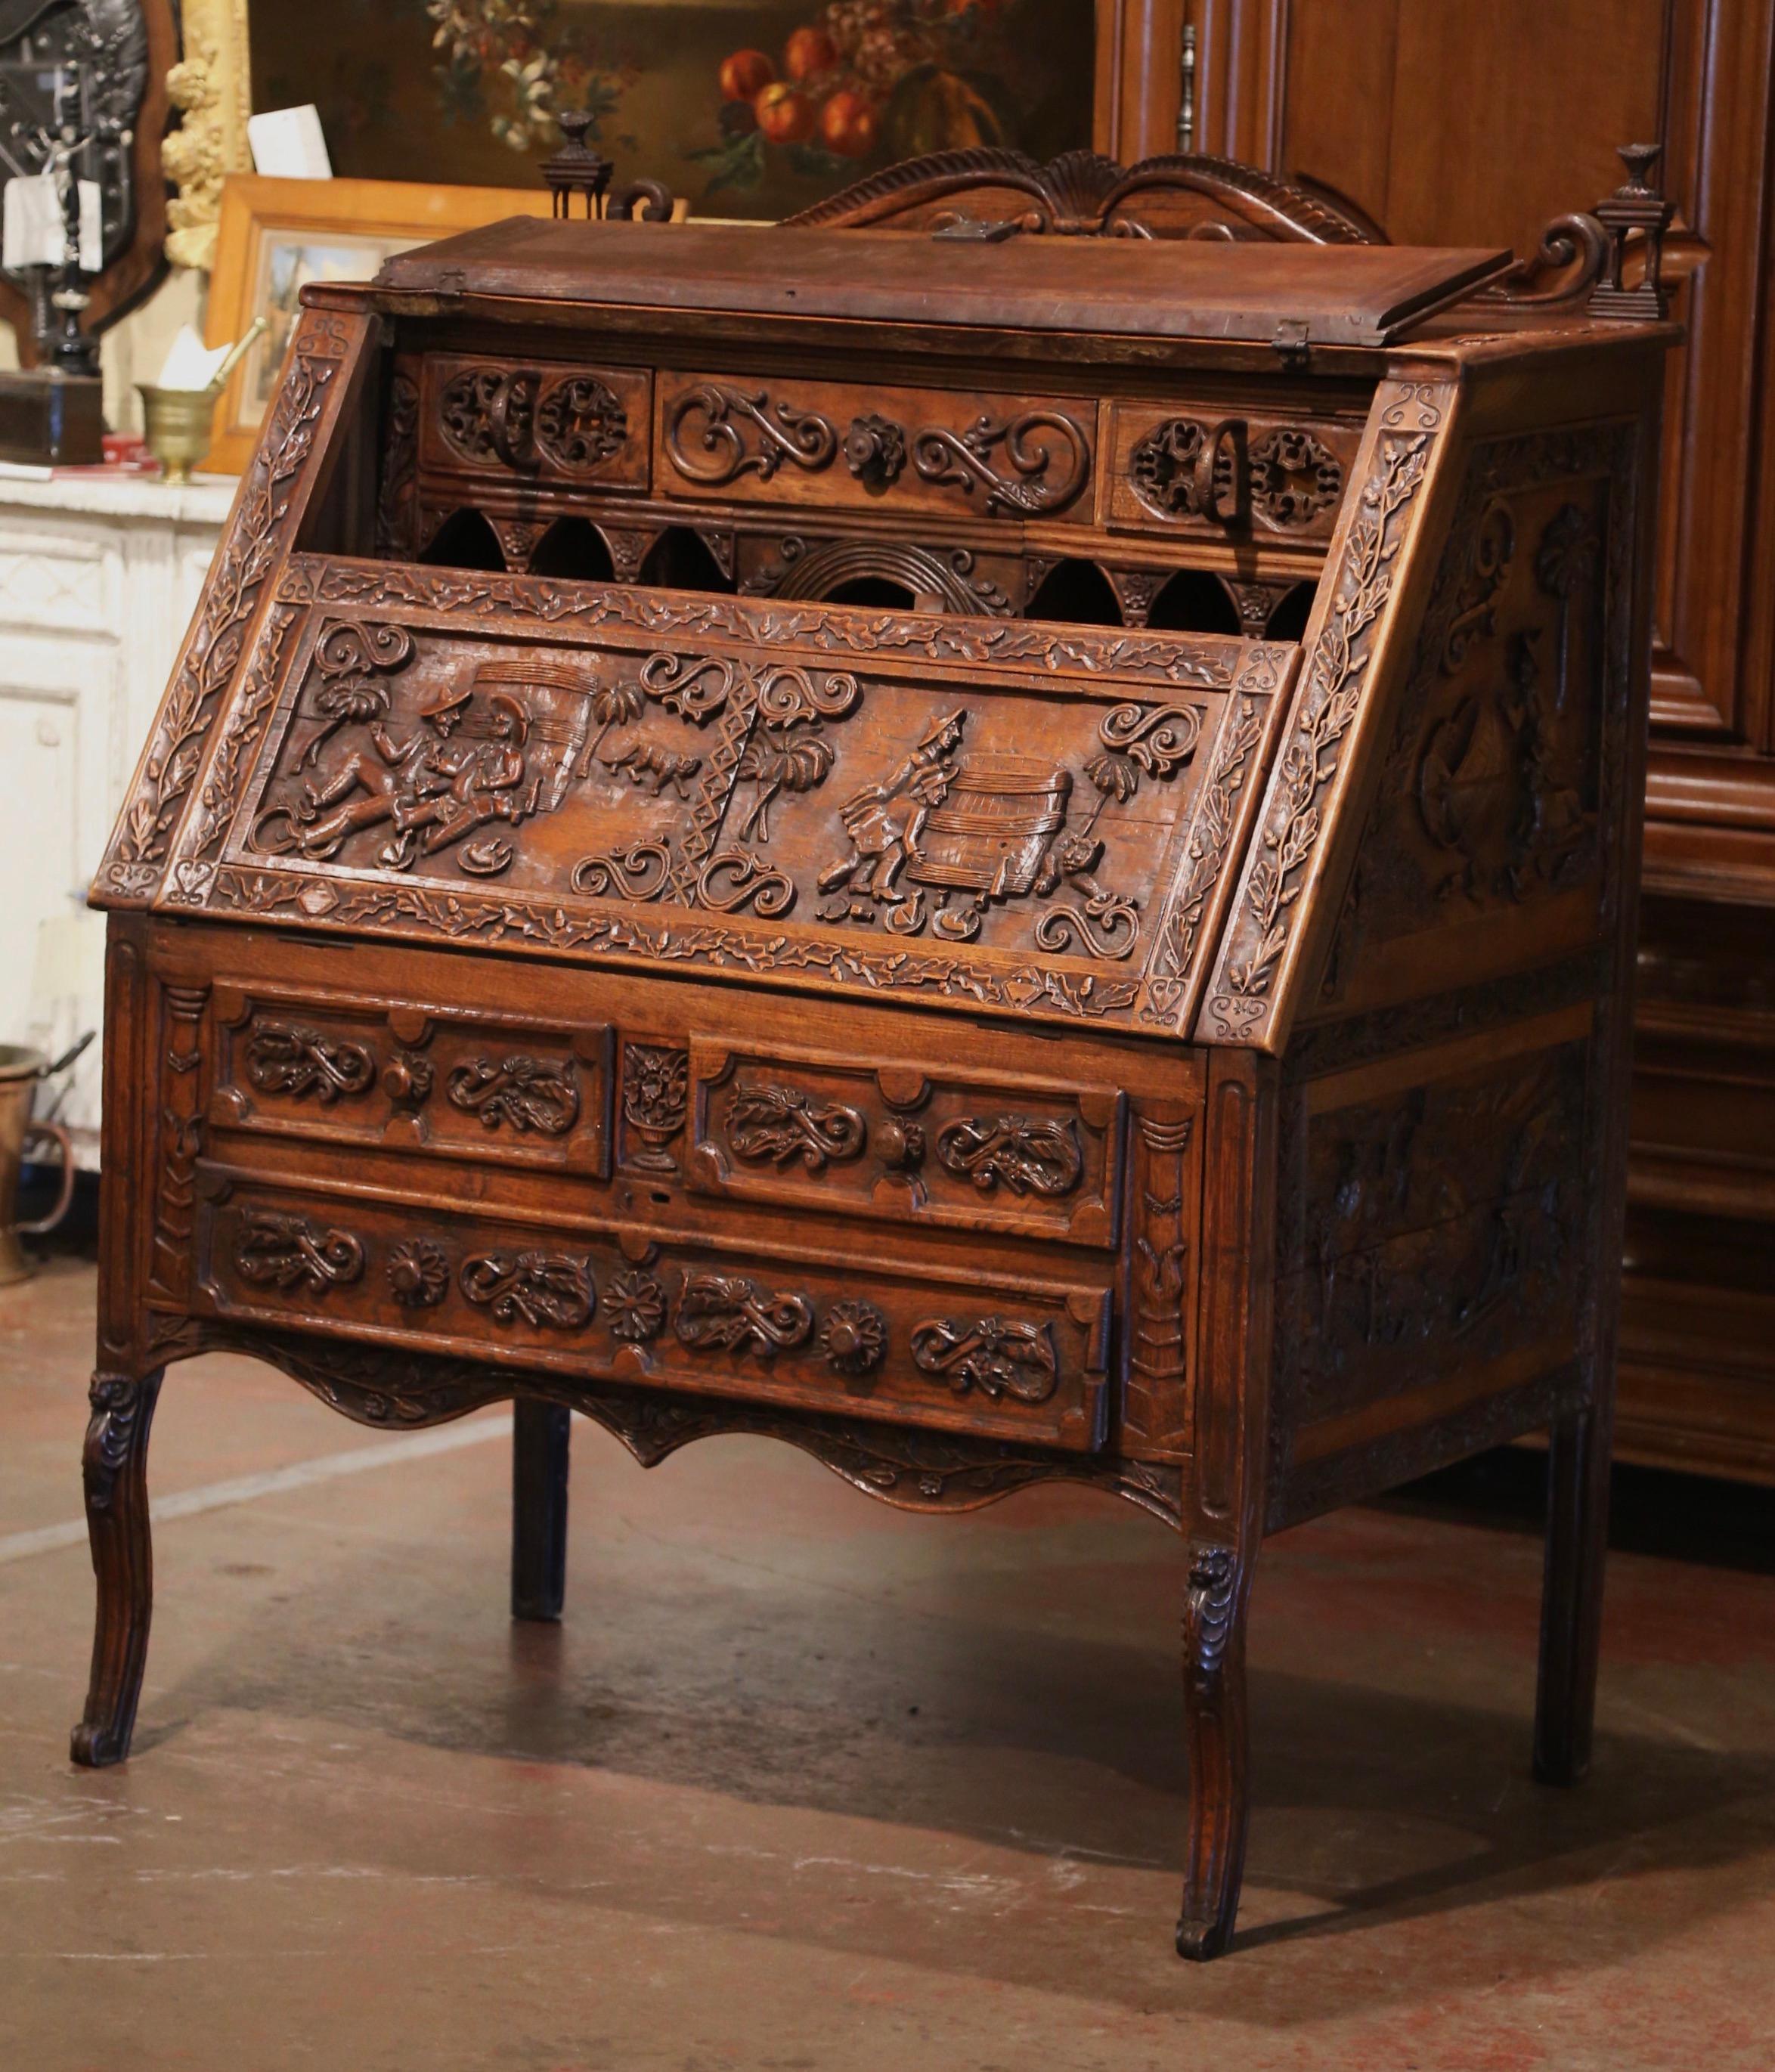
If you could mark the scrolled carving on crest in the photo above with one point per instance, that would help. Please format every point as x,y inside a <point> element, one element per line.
<point>1027,1156</point>
<point>733,881</point>
<point>289,1057</point>
<point>526,1093</point>
<point>287,1252</point>
<point>545,1290</point>
<point>744,434</point>
<point>997,1358</point>
<point>967,460</point>
<point>778,1125</point>
<point>727,1313</point>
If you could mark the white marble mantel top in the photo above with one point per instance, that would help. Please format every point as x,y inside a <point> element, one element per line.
<point>205,500</point>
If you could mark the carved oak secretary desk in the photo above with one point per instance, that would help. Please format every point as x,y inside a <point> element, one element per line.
<point>1009,857</point>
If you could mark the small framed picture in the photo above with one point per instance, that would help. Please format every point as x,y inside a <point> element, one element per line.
<point>278,235</point>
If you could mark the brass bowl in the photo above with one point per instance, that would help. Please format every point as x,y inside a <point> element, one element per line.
<point>178,424</point>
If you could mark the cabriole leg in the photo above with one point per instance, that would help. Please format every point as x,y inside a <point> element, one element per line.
<point>541,1439</point>
<point>1577,1540</point>
<point>1213,1692</point>
<point>114,1467</point>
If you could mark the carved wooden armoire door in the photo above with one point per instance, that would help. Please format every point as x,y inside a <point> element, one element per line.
<point>1473,124</point>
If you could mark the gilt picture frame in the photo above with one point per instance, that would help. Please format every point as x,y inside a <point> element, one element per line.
<point>275,236</point>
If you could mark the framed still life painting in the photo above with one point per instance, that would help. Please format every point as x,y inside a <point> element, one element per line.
<point>743,108</point>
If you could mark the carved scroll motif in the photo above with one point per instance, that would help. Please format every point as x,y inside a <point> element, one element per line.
<point>288,1252</point>
<point>736,433</point>
<point>523,1093</point>
<point>726,1312</point>
<point>1022,486</point>
<point>997,1358</point>
<point>1027,1156</point>
<point>288,1057</point>
<point>545,1290</point>
<point>778,1124</point>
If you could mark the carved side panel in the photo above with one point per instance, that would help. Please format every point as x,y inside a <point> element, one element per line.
<point>1487,821</point>
<point>902,1142</point>
<point>1008,1358</point>
<point>1436,1256</point>
<point>280,484</point>
<point>413,1078</point>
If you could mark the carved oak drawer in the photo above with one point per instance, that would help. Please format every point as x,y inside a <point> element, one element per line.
<point>1212,470</point>
<point>906,1142</point>
<point>1023,1358</point>
<point>425,1080</point>
<point>736,439</point>
<point>543,420</point>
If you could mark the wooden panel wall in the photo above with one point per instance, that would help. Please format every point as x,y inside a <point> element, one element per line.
<point>1464,122</point>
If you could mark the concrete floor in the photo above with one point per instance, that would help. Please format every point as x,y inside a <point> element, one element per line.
<point>805,1786</point>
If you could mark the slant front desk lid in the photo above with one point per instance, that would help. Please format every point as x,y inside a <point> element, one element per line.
<point>1359,295</point>
<point>988,815</point>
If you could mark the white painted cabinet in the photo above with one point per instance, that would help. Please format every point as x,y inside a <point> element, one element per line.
<point>98,580</point>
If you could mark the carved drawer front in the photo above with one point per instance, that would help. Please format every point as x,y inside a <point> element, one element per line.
<point>1212,470</point>
<point>412,1078</point>
<point>1023,1359</point>
<point>906,1142</point>
<point>790,439</point>
<point>539,421</point>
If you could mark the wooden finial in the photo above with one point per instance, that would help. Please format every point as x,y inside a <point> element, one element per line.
<point>575,168</point>
<point>1635,205</point>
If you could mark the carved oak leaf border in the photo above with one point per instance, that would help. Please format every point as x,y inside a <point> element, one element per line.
<point>1241,1010</point>
<point>256,540</point>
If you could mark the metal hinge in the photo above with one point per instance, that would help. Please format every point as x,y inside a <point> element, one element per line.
<point>1289,342</point>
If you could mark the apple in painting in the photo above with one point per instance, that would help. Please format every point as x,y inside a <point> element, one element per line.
<point>784,115</point>
<point>807,52</point>
<point>849,124</point>
<point>745,75</point>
